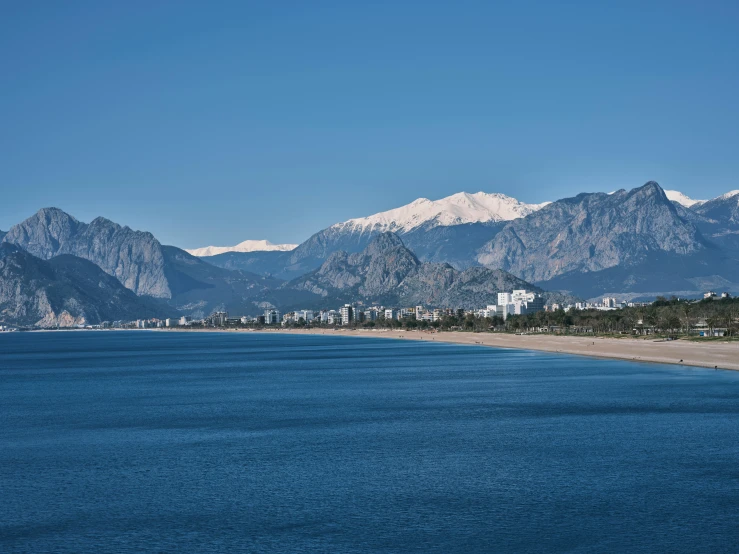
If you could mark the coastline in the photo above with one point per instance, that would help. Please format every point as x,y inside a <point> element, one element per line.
<point>709,354</point>
<point>718,355</point>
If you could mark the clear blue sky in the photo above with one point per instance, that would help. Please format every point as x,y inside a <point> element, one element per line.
<point>216,122</point>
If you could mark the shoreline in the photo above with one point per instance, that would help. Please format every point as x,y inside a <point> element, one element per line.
<point>712,355</point>
<point>709,355</point>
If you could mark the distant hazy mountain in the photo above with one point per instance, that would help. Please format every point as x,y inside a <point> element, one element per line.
<point>388,272</point>
<point>2,234</point>
<point>246,246</point>
<point>682,199</point>
<point>65,291</point>
<point>141,263</point>
<point>447,230</point>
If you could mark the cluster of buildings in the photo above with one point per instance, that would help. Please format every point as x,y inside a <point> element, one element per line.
<point>608,303</point>
<point>508,303</point>
<point>156,323</point>
<point>516,302</point>
<point>350,314</point>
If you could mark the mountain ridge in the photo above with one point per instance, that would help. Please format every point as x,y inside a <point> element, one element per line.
<point>65,291</point>
<point>387,272</point>
<point>590,232</point>
<point>587,244</point>
<point>140,262</point>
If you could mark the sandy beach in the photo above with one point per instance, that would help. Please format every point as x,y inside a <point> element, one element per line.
<point>711,354</point>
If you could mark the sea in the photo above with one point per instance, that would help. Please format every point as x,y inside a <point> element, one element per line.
<point>245,442</point>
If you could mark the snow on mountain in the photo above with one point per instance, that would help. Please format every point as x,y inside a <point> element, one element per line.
<point>456,209</point>
<point>682,199</point>
<point>246,246</point>
<point>730,194</point>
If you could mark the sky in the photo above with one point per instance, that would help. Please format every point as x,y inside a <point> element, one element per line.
<point>209,123</point>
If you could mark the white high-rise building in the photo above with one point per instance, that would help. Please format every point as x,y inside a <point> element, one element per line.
<point>518,302</point>
<point>504,298</point>
<point>347,314</point>
<point>271,317</point>
<point>306,315</point>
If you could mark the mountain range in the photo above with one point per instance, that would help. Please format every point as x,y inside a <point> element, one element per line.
<point>457,251</point>
<point>57,271</point>
<point>449,230</point>
<point>141,263</point>
<point>387,272</point>
<point>588,245</point>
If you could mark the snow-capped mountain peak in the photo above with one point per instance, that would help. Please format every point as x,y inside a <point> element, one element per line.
<point>246,246</point>
<point>730,194</point>
<point>457,209</point>
<point>682,199</point>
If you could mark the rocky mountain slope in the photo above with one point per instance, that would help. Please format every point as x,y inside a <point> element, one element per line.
<point>135,258</point>
<point>141,263</point>
<point>387,272</point>
<point>592,232</point>
<point>637,242</point>
<point>64,292</point>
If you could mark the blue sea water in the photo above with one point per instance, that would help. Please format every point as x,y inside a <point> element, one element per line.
<point>195,442</point>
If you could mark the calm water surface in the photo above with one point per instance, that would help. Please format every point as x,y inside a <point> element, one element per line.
<point>168,442</point>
